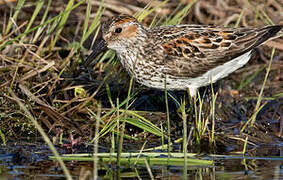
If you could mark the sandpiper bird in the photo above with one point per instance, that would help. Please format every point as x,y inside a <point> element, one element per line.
<point>187,56</point>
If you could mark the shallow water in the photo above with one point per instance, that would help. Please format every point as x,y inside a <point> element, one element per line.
<point>35,165</point>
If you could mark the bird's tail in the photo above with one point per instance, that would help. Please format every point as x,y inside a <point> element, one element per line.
<point>268,33</point>
<point>278,34</point>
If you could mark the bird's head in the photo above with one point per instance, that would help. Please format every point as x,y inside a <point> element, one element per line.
<point>121,31</point>
<point>118,33</point>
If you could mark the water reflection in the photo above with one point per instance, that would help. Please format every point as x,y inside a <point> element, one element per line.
<point>223,169</point>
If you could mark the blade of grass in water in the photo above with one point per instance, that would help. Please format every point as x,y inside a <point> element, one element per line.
<point>168,118</point>
<point>148,169</point>
<point>95,144</point>
<point>118,119</point>
<point>141,150</point>
<point>123,124</point>
<point>131,160</point>
<point>185,145</point>
<point>155,158</point>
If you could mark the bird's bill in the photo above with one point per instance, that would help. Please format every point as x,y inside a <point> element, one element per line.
<point>98,47</point>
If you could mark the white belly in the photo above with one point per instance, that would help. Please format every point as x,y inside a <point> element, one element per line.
<point>207,78</point>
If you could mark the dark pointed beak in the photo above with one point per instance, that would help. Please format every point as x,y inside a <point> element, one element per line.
<point>99,46</point>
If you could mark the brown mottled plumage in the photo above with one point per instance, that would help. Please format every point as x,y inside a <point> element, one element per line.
<point>188,56</point>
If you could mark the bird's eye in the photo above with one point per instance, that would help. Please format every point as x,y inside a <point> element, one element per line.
<point>118,30</point>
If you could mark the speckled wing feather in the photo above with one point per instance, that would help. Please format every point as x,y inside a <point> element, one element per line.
<point>192,50</point>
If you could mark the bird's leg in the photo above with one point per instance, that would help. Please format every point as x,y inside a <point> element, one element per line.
<point>192,113</point>
<point>192,99</point>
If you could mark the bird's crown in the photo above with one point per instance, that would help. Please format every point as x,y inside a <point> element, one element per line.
<point>117,23</point>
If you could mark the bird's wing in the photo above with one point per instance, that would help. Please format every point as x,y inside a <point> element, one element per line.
<point>190,51</point>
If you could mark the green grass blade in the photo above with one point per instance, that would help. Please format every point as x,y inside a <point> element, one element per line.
<point>15,16</point>
<point>263,85</point>
<point>244,82</point>
<point>149,127</point>
<point>39,30</point>
<point>147,11</point>
<point>62,22</point>
<point>180,15</point>
<point>41,25</point>
<point>94,23</point>
<point>38,7</point>
<point>239,19</point>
